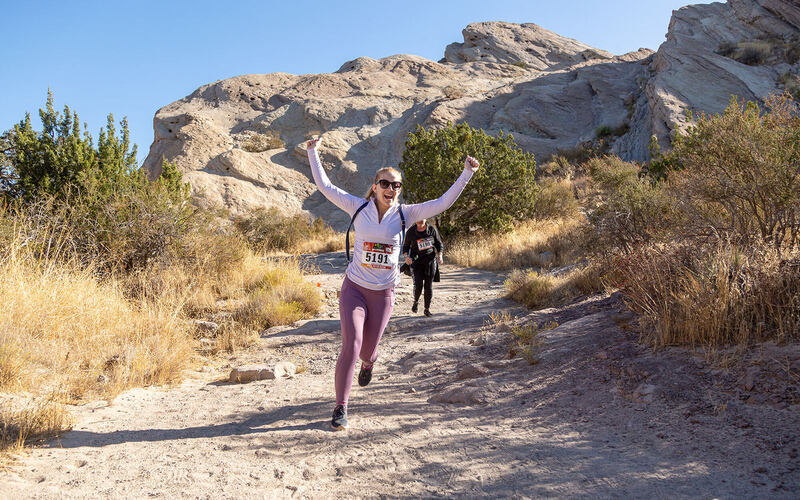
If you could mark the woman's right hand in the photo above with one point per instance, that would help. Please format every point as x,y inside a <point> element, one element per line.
<point>313,143</point>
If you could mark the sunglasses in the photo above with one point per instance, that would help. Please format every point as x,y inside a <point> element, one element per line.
<point>384,184</point>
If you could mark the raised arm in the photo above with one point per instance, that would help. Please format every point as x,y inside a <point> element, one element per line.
<point>338,197</point>
<point>428,209</point>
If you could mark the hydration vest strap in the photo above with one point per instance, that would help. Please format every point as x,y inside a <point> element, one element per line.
<point>403,222</point>
<point>347,235</point>
<point>353,219</point>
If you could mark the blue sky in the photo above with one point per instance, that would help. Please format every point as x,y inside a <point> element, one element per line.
<point>132,58</point>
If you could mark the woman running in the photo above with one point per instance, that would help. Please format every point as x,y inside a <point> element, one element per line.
<point>422,249</point>
<point>367,296</point>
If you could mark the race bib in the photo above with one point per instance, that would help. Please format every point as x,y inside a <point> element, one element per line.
<point>377,255</point>
<point>424,244</point>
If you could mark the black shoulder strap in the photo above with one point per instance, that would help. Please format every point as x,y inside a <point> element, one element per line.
<point>353,219</point>
<point>347,237</point>
<point>403,222</point>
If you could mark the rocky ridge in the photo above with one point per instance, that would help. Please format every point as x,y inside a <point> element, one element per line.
<point>238,140</point>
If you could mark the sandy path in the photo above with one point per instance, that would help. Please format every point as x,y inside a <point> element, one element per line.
<point>447,414</point>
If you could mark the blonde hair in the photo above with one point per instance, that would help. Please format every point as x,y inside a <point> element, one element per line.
<point>370,192</point>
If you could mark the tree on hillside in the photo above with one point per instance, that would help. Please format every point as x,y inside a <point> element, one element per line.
<point>737,174</point>
<point>61,157</point>
<point>502,192</point>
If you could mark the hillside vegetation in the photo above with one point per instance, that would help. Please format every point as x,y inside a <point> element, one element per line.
<point>110,280</point>
<point>702,241</point>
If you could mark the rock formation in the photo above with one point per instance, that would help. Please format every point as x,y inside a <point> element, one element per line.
<point>239,141</point>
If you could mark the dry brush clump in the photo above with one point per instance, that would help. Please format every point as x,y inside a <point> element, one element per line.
<point>536,290</point>
<point>76,327</point>
<point>25,419</point>
<point>258,143</point>
<point>103,270</point>
<point>714,296</point>
<point>527,245</point>
<point>719,266</point>
<point>269,230</point>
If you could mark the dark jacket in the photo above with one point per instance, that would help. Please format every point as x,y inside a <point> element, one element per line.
<point>422,247</point>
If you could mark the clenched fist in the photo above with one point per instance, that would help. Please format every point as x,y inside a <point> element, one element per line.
<point>313,143</point>
<point>471,163</point>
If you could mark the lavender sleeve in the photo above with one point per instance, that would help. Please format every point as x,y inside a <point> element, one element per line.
<point>428,209</point>
<point>338,197</point>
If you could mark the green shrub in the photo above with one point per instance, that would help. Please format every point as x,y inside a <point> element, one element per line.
<point>501,192</point>
<point>737,173</point>
<point>556,199</point>
<point>60,159</point>
<point>603,131</point>
<point>628,210</point>
<point>90,203</point>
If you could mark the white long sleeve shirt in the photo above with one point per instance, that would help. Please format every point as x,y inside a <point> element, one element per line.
<point>377,242</point>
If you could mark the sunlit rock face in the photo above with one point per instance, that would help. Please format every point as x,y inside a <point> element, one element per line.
<point>239,141</point>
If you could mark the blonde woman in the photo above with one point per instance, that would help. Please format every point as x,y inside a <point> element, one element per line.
<point>367,296</point>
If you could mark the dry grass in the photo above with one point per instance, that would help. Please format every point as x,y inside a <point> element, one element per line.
<point>527,342</point>
<point>276,294</point>
<point>61,329</point>
<point>69,333</point>
<point>271,231</point>
<point>536,290</point>
<point>24,420</point>
<point>258,143</point>
<point>713,297</point>
<point>65,338</point>
<point>522,247</point>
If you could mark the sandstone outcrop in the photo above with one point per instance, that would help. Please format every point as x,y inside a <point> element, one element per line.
<point>239,140</point>
<point>691,72</point>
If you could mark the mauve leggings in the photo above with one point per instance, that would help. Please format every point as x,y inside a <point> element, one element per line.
<point>364,314</point>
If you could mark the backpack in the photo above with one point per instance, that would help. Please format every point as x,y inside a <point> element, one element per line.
<point>347,237</point>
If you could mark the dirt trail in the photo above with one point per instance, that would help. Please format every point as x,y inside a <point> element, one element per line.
<point>447,414</point>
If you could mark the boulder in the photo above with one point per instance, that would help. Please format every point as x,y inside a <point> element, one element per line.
<point>250,373</point>
<point>472,371</point>
<point>284,369</point>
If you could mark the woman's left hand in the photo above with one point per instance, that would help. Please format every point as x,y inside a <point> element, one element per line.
<point>471,163</point>
<point>439,258</point>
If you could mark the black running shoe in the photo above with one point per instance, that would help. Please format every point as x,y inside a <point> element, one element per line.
<point>364,376</point>
<point>339,420</point>
<point>414,307</point>
<point>428,312</point>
